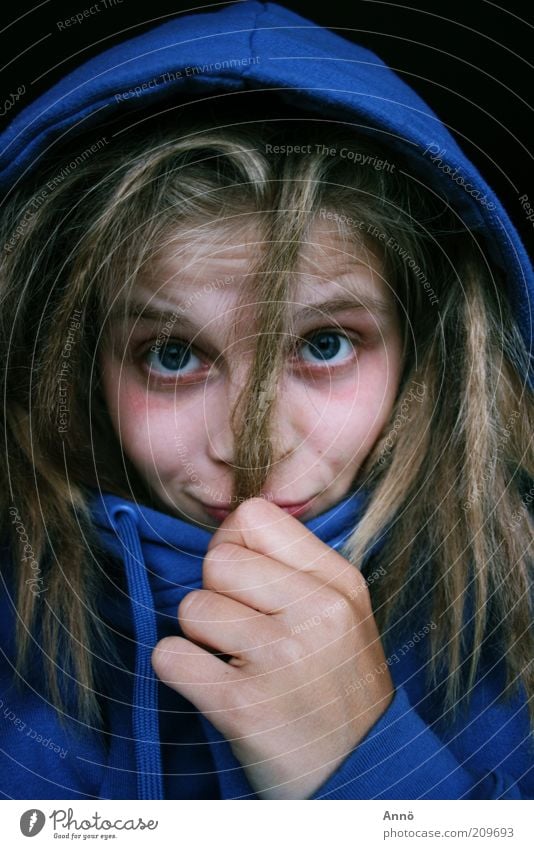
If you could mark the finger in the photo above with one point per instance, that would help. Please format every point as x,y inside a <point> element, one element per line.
<point>259,581</point>
<point>261,526</point>
<point>203,679</point>
<point>225,624</point>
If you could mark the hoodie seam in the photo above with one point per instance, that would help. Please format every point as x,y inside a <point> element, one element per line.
<point>253,32</point>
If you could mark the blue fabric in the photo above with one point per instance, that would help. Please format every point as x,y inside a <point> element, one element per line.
<point>408,754</point>
<point>145,714</point>
<point>154,560</point>
<point>173,551</point>
<point>154,743</point>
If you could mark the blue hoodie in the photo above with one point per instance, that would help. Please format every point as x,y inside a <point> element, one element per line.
<point>154,743</point>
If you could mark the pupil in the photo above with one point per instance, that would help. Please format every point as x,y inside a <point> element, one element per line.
<point>174,356</point>
<point>326,345</point>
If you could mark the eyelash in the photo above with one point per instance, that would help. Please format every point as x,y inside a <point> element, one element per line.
<point>353,339</point>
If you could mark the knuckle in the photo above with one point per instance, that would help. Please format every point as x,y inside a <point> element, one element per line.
<point>191,604</point>
<point>220,561</point>
<point>210,568</point>
<point>358,595</point>
<point>252,504</point>
<point>224,552</point>
<point>326,598</point>
<point>252,511</point>
<point>254,516</point>
<point>293,650</point>
<point>162,658</point>
<point>337,611</point>
<point>347,619</point>
<point>240,704</point>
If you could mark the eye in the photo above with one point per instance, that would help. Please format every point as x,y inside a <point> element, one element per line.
<point>327,346</point>
<point>172,358</point>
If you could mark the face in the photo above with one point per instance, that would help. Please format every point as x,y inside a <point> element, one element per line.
<point>171,380</point>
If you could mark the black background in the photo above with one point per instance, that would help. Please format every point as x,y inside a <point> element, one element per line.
<point>471,61</point>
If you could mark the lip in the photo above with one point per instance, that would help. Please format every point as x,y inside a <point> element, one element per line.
<point>216,512</point>
<point>220,513</point>
<point>295,509</point>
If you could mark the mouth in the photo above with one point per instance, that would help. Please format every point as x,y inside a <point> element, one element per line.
<point>297,510</point>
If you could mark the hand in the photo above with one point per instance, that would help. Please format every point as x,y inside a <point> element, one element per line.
<point>295,618</point>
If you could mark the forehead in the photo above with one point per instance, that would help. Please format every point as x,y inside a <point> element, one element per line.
<point>218,261</point>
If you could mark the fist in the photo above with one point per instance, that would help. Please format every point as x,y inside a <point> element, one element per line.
<point>276,647</point>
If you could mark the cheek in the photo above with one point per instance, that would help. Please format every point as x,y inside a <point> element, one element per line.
<point>354,411</point>
<point>158,431</point>
<point>144,422</point>
<point>126,401</point>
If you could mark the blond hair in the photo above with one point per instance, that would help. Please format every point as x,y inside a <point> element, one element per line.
<point>447,492</point>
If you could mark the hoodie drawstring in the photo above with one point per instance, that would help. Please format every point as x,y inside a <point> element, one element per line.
<point>145,708</point>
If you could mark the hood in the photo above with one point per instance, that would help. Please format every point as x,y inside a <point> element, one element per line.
<point>258,46</point>
<point>162,558</point>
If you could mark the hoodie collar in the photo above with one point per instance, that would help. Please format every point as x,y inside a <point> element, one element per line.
<point>173,550</point>
<point>162,557</point>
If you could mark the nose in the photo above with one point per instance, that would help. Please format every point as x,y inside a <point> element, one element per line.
<point>221,446</point>
<point>286,426</point>
<point>221,439</point>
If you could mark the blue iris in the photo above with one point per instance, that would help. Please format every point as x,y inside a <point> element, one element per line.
<point>174,356</point>
<point>326,345</point>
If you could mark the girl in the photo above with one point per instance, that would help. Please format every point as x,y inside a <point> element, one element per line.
<point>268,415</point>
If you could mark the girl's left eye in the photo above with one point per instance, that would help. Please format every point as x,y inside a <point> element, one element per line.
<point>327,347</point>
<point>173,358</point>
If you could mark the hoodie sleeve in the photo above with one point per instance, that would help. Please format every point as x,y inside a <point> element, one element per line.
<point>403,758</point>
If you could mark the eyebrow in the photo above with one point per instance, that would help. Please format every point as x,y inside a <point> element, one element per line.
<point>327,307</point>
<point>341,304</point>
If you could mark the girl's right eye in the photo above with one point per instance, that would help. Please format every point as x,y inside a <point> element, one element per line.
<point>172,359</point>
